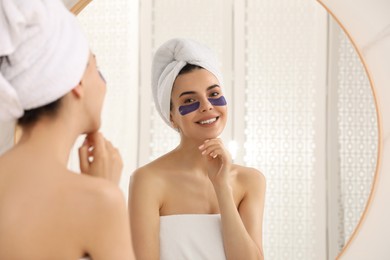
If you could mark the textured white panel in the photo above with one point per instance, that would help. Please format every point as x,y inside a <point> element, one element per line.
<point>358,137</point>
<point>284,65</point>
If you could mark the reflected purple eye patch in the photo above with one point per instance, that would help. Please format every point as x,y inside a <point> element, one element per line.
<point>184,110</point>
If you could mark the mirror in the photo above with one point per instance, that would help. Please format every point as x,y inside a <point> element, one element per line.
<point>301,106</point>
<point>319,166</point>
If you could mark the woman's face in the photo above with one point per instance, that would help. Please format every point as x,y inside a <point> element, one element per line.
<point>95,89</point>
<point>198,107</point>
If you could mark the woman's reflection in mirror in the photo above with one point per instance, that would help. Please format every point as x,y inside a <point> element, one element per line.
<point>193,202</point>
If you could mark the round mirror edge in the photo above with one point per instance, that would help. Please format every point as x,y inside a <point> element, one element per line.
<point>379,122</point>
<point>79,6</point>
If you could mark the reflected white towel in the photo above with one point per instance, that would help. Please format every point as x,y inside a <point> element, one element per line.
<point>191,237</point>
<point>168,60</point>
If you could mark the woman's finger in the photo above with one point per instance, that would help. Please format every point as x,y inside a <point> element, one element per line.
<point>98,142</point>
<point>210,142</point>
<point>109,146</point>
<point>83,157</point>
<point>210,148</point>
<point>217,152</point>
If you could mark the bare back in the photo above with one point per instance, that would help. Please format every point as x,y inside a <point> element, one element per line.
<point>46,212</point>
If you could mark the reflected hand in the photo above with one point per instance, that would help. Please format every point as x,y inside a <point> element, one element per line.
<point>99,158</point>
<point>217,159</point>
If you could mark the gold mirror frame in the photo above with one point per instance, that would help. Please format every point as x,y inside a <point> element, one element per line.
<point>81,4</point>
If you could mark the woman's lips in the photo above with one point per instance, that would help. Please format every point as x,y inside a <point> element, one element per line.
<point>209,121</point>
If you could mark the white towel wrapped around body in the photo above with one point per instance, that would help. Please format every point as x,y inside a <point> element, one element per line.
<point>191,236</point>
<point>168,61</point>
<point>47,54</point>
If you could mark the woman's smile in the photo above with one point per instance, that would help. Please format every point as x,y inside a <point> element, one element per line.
<point>208,122</point>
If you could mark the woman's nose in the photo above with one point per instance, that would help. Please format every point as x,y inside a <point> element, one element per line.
<point>205,105</point>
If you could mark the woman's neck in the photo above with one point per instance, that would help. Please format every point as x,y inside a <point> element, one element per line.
<point>190,155</point>
<point>51,139</point>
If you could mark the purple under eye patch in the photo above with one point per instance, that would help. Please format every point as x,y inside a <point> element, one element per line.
<point>221,101</point>
<point>184,110</point>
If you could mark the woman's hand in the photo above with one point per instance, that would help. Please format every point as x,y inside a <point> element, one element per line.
<point>217,160</point>
<point>99,158</point>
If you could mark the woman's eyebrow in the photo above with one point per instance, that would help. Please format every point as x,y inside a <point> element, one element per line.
<point>187,93</point>
<point>213,86</point>
<point>193,92</point>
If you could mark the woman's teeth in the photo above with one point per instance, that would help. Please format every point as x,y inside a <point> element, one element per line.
<point>209,121</point>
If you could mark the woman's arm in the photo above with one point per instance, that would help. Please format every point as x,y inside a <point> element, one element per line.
<point>242,228</point>
<point>144,205</point>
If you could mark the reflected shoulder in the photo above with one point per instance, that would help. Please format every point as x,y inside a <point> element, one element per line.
<point>147,179</point>
<point>155,169</point>
<point>249,177</point>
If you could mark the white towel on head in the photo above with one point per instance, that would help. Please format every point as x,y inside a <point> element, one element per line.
<point>47,50</point>
<point>168,60</point>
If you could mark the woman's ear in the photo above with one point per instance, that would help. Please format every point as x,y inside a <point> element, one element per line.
<point>78,91</point>
<point>172,122</point>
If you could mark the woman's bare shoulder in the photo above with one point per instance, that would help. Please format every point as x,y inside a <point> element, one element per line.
<point>76,206</point>
<point>152,179</point>
<point>156,169</point>
<point>99,210</point>
<point>93,194</point>
<point>248,176</point>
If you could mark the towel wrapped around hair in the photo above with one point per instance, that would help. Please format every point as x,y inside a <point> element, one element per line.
<point>168,61</point>
<point>44,54</point>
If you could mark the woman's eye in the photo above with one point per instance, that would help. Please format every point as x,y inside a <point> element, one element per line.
<point>214,94</point>
<point>189,100</point>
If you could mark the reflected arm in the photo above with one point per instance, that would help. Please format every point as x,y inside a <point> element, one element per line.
<point>242,228</point>
<point>144,215</point>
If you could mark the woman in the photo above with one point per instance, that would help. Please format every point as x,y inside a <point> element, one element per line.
<point>50,84</point>
<point>193,203</point>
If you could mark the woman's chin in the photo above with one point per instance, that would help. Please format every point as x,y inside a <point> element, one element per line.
<point>94,127</point>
